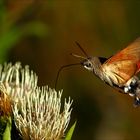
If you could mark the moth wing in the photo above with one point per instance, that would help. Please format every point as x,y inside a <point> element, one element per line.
<point>125,64</point>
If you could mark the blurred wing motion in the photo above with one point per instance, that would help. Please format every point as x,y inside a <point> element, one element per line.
<point>123,65</point>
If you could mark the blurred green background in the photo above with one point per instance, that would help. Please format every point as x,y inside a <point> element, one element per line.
<point>42,33</point>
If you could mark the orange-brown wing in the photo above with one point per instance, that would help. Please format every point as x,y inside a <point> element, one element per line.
<point>125,64</point>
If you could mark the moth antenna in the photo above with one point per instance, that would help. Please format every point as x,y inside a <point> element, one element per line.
<point>78,56</point>
<point>81,49</point>
<point>61,68</point>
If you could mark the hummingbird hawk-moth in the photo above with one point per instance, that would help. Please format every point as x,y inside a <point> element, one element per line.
<point>118,71</point>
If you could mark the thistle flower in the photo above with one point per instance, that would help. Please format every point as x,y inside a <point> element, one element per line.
<point>37,110</point>
<point>38,117</point>
<point>17,80</point>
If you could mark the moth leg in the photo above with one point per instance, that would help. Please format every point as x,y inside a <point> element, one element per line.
<point>136,102</point>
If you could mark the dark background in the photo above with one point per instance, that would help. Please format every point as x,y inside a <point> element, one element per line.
<point>42,33</point>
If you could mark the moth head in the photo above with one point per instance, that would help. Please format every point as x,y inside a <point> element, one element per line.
<point>87,64</point>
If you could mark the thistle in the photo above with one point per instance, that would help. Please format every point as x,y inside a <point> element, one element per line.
<point>37,115</point>
<point>36,111</point>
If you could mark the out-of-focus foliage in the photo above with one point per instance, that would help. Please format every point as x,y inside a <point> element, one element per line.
<point>11,32</point>
<point>42,34</point>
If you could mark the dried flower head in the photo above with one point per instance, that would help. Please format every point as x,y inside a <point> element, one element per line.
<point>37,111</point>
<point>5,102</point>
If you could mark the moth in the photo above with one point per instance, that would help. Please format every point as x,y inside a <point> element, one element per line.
<point>119,71</point>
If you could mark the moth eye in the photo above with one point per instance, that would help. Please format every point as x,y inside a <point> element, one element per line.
<point>88,65</point>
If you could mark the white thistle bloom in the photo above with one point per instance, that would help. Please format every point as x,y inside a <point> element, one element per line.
<point>37,111</point>
<point>38,117</point>
<point>17,80</point>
